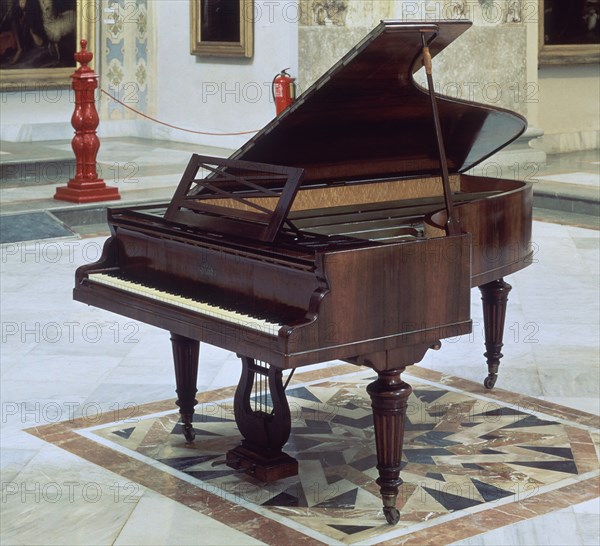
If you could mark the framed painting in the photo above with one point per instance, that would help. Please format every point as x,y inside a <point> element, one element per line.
<point>569,31</point>
<point>38,39</point>
<point>222,28</point>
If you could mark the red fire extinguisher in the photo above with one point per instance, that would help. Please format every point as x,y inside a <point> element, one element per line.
<point>284,90</point>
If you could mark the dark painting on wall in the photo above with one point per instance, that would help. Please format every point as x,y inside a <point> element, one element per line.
<point>37,34</point>
<point>569,31</point>
<point>571,22</point>
<point>38,39</point>
<point>222,28</point>
<point>220,21</point>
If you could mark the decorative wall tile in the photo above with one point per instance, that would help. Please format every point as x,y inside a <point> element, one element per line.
<point>124,63</point>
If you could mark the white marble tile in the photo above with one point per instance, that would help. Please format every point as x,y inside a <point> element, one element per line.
<point>587,507</point>
<point>59,499</point>
<point>560,299</point>
<point>575,231</point>
<point>13,461</point>
<point>568,380</point>
<point>177,524</point>
<point>14,437</point>
<point>556,529</point>
<point>551,253</point>
<point>589,405</point>
<point>48,369</point>
<point>154,370</point>
<point>591,259</point>
<point>111,396</point>
<point>549,335</point>
<point>588,529</point>
<point>547,229</point>
<point>28,403</point>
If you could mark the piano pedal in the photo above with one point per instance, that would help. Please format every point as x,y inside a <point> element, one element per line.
<point>218,463</point>
<point>265,467</point>
<point>241,466</point>
<point>236,465</point>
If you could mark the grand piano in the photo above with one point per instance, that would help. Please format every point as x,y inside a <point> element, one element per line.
<point>345,229</point>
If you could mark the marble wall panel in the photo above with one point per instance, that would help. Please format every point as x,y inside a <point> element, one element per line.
<point>487,64</point>
<point>345,13</point>
<point>329,28</point>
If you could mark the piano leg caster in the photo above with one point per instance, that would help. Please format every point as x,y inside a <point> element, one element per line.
<point>490,381</point>
<point>389,396</point>
<point>392,514</point>
<point>188,431</point>
<point>185,357</point>
<point>494,296</point>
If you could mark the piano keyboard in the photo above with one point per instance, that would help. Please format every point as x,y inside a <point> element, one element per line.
<point>186,303</point>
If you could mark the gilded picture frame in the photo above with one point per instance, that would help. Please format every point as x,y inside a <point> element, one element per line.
<point>563,53</point>
<point>52,38</point>
<point>222,28</point>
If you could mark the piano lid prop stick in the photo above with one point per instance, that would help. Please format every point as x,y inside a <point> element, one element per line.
<point>452,224</point>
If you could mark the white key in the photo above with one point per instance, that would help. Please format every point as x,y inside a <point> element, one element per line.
<point>186,303</point>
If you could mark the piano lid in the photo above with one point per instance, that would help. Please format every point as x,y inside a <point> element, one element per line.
<point>367,117</point>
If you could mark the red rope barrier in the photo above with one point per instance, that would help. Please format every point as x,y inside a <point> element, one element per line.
<point>174,126</point>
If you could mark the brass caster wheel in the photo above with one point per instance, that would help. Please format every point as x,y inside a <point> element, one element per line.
<point>392,515</point>
<point>490,381</point>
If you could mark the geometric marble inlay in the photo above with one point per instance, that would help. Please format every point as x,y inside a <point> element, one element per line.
<point>460,453</point>
<point>464,453</point>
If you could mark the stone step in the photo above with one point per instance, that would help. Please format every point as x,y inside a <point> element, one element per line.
<point>570,198</point>
<point>36,172</point>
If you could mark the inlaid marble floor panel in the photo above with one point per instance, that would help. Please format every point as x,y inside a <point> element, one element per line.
<point>467,457</point>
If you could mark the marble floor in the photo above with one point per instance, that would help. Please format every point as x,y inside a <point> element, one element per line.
<point>82,390</point>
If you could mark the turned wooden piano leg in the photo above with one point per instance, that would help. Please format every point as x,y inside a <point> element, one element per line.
<point>263,418</point>
<point>389,396</point>
<point>185,357</point>
<point>494,296</point>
